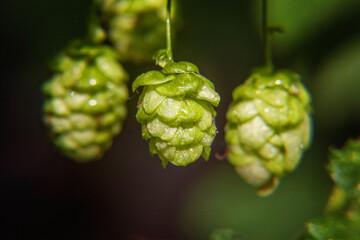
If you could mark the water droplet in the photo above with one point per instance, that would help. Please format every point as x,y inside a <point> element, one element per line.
<point>302,146</point>
<point>278,82</point>
<point>92,102</point>
<point>72,93</point>
<point>92,81</point>
<point>267,110</point>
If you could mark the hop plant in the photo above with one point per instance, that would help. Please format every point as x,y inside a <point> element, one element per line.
<point>344,168</point>
<point>341,219</point>
<point>176,112</point>
<point>268,127</point>
<point>85,101</point>
<point>136,27</point>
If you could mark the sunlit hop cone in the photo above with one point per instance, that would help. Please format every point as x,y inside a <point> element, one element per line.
<point>137,27</point>
<point>85,100</point>
<point>268,127</point>
<point>176,112</point>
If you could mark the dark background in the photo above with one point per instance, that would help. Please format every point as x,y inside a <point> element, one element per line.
<point>128,195</point>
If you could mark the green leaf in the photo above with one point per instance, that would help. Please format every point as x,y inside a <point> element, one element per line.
<point>241,112</point>
<point>186,136</point>
<point>206,153</point>
<point>225,234</point>
<point>244,91</point>
<point>180,67</point>
<point>344,168</point>
<point>169,110</point>
<point>142,116</point>
<point>111,68</point>
<point>186,156</point>
<point>207,93</point>
<point>332,227</point>
<point>152,100</point>
<point>183,84</point>
<point>53,87</point>
<point>92,80</point>
<point>277,97</point>
<point>190,111</point>
<point>151,78</point>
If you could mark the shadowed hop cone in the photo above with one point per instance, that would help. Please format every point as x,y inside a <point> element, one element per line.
<point>268,127</point>
<point>176,113</point>
<point>137,27</point>
<point>85,100</point>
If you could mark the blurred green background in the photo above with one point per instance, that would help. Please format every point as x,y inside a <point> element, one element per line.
<point>127,195</point>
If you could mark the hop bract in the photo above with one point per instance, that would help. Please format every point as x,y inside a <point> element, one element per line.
<point>137,27</point>
<point>176,112</point>
<point>85,101</point>
<point>268,126</point>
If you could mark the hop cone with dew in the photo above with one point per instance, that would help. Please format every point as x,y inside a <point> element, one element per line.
<point>268,127</point>
<point>176,112</point>
<point>85,103</point>
<point>137,27</point>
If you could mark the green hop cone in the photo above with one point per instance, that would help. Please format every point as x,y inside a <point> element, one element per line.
<point>176,112</point>
<point>137,27</point>
<point>85,103</point>
<point>268,127</point>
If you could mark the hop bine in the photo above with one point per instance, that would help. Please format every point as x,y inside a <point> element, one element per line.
<point>268,127</point>
<point>85,101</point>
<point>176,112</point>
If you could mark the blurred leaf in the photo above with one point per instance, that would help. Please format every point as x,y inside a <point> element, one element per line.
<point>344,168</point>
<point>345,226</point>
<point>330,228</point>
<point>225,234</point>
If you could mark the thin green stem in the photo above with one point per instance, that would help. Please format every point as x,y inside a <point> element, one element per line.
<point>266,36</point>
<point>168,31</point>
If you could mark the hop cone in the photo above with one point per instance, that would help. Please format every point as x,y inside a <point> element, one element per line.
<point>268,127</point>
<point>85,100</point>
<point>176,113</point>
<point>137,27</point>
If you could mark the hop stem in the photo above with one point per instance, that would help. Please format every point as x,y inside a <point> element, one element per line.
<point>163,56</point>
<point>266,37</point>
<point>95,33</point>
<point>168,31</point>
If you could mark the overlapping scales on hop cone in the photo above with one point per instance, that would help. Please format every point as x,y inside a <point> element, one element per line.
<point>268,127</point>
<point>176,113</point>
<point>137,27</point>
<point>85,101</point>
